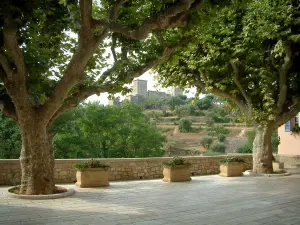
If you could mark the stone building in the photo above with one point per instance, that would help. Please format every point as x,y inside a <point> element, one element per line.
<point>175,91</point>
<point>139,87</point>
<point>157,95</point>
<point>289,143</point>
<point>114,102</point>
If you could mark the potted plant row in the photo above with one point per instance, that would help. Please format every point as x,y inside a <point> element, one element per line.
<point>176,170</point>
<point>231,166</point>
<point>91,173</point>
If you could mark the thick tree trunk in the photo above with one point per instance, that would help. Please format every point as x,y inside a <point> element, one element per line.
<point>37,160</point>
<point>262,150</point>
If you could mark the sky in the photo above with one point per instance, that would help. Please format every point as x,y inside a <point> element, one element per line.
<point>151,85</point>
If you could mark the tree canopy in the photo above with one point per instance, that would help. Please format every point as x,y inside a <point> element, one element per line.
<point>54,54</point>
<point>246,52</point>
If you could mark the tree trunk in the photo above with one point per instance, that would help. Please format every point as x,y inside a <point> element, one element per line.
<point>262,151</point>
<point>37,159</point>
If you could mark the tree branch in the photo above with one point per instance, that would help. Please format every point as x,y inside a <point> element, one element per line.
<point>174,16</point>
<point>12,46</point>
<point>74,72</point>
<point>5,64</point>
<point>113,46</point>
<point>236,79</point>
<point>236,100</point>
<point>9,110</point>
<point>76,98</point>
<point>101,87</point>
<point>85,15</point>
<point>17,74</point>
<point>283,73</point>
<point>285,116</point>
<point>115,10</point>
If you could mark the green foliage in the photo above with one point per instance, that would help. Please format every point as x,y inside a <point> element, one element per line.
<point>212,117</point>
<point>167,114</point>
<point>210,153</point>
<point>198,113</point>
<point>185,125</point>
<point>221,137</point>
<point>182,110</point>
<point>296,129</point>
<point>206,141</point>
<point>222,120</point>
<point>244,149</point>
<point>231,159</point>
<point>247,148</point>
<point>97,131</point>
<point>152,103</point>
<point>155,115</point>
<point>251,137</point>
<point>218,147</point>
<point>220,112</point>
<point>176,161</point>
<point>169,145</point>
<point>10,138</point>
<point>217,130</point>
<point>275,141</point>
<point>175,101</point>
<point>238,52</point>
<point>92,163</point>
<point>165,130</point>
<point>205,103</point>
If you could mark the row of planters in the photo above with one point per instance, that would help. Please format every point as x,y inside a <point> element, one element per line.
<point>92,173</point>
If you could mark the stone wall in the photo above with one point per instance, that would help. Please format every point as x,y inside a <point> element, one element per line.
<point>121,169</point>
<point>290,161</point>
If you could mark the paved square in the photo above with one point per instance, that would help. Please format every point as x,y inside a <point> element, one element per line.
<point>211,200</point>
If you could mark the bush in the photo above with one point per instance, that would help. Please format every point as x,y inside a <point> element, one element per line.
<point>167,114</point>
<point>93,163</point>
<point>221,112</point>
<point>217,130</point>
<point>197,113</point>
<point>221,137</point>
<point>185,125</point>
<point>165,130</point>
<point>218,147</point>
<point>206,141</point>
<point>244,149</point>
<point>182,110</point>
<point>210,153</point>
<point>176,161</point>
<point>231,159</point>
<point>222,120</point>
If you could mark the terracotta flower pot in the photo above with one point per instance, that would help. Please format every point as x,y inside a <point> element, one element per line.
<point>177,173</point>
<point>92,177</point>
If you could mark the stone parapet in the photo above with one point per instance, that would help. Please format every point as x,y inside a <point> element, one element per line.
<point>121,168</point>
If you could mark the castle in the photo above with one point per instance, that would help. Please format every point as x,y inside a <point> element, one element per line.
<point>140,92</point>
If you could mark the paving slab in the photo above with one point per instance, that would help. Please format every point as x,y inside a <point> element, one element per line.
<point>206,200</point>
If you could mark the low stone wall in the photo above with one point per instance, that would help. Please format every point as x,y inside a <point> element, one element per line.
<point>290,161</point>
<point>121,169</point>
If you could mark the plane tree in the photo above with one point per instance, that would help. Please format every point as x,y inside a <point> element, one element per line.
<point>248,54</point>
<point>54,54</point>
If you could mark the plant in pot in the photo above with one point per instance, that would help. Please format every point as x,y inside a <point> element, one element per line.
<point>176,170</point>
<point>231,166</point>
<point>91,173</point>
<point>277,165</point>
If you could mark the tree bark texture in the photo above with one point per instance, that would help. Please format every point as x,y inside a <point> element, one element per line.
<point>262,151</point>
<point>37,160</point>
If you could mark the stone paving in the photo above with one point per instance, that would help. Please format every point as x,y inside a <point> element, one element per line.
<point>209,200</point>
